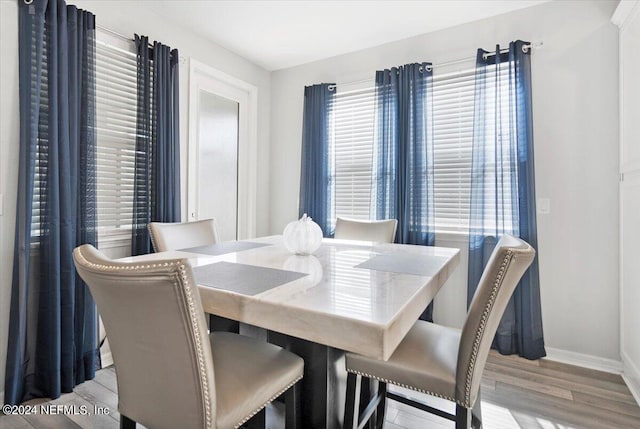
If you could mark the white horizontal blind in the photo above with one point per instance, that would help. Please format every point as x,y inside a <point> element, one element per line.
<point>500,214</point>
<point>42,147</point>
<point>453,102</point>
<point>453,107</point>
<point>352,151</point>
<point>453,132</point>
<point>116,103</point>
<point>453,110</point>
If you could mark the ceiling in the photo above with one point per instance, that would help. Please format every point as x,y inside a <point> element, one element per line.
<point>281,34</point>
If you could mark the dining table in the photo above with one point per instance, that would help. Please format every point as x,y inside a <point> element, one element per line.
<point>356,296</point>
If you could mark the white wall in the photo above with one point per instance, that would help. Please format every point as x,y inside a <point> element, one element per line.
<point>575,84</point>
<point>125,17</point>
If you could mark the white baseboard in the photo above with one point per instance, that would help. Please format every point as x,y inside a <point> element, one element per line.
<point>584,360</point>
<point>106,359</point>
<point>631,376</point>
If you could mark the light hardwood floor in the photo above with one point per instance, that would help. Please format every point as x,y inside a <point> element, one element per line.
<point>516,393</point>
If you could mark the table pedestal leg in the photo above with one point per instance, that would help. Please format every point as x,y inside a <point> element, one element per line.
<point>324,383</point>
<point>222,324</point>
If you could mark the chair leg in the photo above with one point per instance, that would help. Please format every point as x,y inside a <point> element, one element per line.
<point>367,388</point>
<point>352,406</point>
<point>126,422</point>
<point>382,391</point>
<point>293,407</point>
<point>476,413</point>
<point>463,417</point>
<point>259,421</point>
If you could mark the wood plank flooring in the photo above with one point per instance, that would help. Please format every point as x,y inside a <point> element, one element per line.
<point>516,393</point>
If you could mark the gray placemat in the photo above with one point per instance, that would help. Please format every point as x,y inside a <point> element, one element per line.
<point>226,247</point>
<point>241,278</point>
<point>405,263</point>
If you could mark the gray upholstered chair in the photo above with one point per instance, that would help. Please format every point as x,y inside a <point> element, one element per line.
<point>171,373</point>
<point>442,361</point>
<point>382,231</point>
<point>175,236</point>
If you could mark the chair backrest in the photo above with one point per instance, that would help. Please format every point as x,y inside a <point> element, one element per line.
<point>506,266</point>
<point>175,236</point>
<point>381,231</point>
<point>154,320</point>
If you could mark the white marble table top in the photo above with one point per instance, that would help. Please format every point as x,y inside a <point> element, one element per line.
<point>355,309</point>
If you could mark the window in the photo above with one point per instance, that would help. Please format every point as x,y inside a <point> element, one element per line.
<point>42,148</point>
<point>116,80</point>
<point>116,103</point>
<point>496,126</point>
<point>352,151</point>
<point>453,105</point>
<point>453,98</point>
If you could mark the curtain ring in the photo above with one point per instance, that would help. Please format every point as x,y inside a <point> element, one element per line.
<point>525,48</point>
<point>429,68</point>
<point>28,1</point>
<point>485,56</point>
<point>331,87</point>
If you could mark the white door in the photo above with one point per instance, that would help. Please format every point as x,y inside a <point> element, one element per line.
<point>628,18</point>
<point>217,158</point>
<point>222,151</point>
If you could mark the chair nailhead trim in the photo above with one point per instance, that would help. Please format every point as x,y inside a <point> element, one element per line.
<point>198,340</point>
<point>128,267</point>
<point>476,343</point>
<point>192,316</point>
<point>257,410</point>
<point>153,241</point>
<point>385,380</point>
<point>497,283</point>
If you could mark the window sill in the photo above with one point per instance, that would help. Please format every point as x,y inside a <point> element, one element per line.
<point>453,237</point>
<point>112,239</point>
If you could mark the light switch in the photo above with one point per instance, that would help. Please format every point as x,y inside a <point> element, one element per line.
<point>544,206</point>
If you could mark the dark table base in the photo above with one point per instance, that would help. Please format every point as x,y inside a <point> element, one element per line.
<point>324,383</point>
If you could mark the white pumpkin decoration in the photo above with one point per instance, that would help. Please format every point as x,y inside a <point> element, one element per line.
<point>303,236</point>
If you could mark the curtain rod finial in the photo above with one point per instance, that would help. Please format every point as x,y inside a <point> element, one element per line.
<point>532,45</point>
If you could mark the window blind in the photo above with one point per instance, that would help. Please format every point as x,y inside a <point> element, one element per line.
<point>453,103</point>
<point>352,151</point>
<point>42,147</point>
<point>498,123</point>
<point>453,110</point>
<point>453,127</point>
<point>116,103</point>
<point>116,80</point>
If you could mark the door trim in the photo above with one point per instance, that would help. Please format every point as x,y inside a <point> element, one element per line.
<point>246,95</point>
<point>624,16</point>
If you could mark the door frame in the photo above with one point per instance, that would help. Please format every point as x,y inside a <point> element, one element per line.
<point>205,78</point>
<point>629,170</point>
